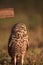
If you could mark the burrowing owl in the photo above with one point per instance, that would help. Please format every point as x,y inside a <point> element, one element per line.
<point>18,42</point>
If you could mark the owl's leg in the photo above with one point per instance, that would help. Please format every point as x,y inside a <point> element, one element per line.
<point>14,60</point>
<point>22,59</point>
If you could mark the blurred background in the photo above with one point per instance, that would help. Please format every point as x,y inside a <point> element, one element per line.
<point>29,12</point>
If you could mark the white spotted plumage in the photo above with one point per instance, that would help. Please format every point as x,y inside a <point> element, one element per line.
<point>18,41</point>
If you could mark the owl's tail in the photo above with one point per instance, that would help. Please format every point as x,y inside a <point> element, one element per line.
<point>18,60</point>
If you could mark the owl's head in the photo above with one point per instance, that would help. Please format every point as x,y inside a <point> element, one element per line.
<point>19,27</point>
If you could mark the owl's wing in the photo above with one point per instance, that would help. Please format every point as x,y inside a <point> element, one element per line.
<point>28,44</point>
<point>10,45</point>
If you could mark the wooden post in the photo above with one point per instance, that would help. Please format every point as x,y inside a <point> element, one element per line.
<point>6,12</point>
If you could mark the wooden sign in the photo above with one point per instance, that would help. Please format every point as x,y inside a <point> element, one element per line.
<point>6,12</point>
